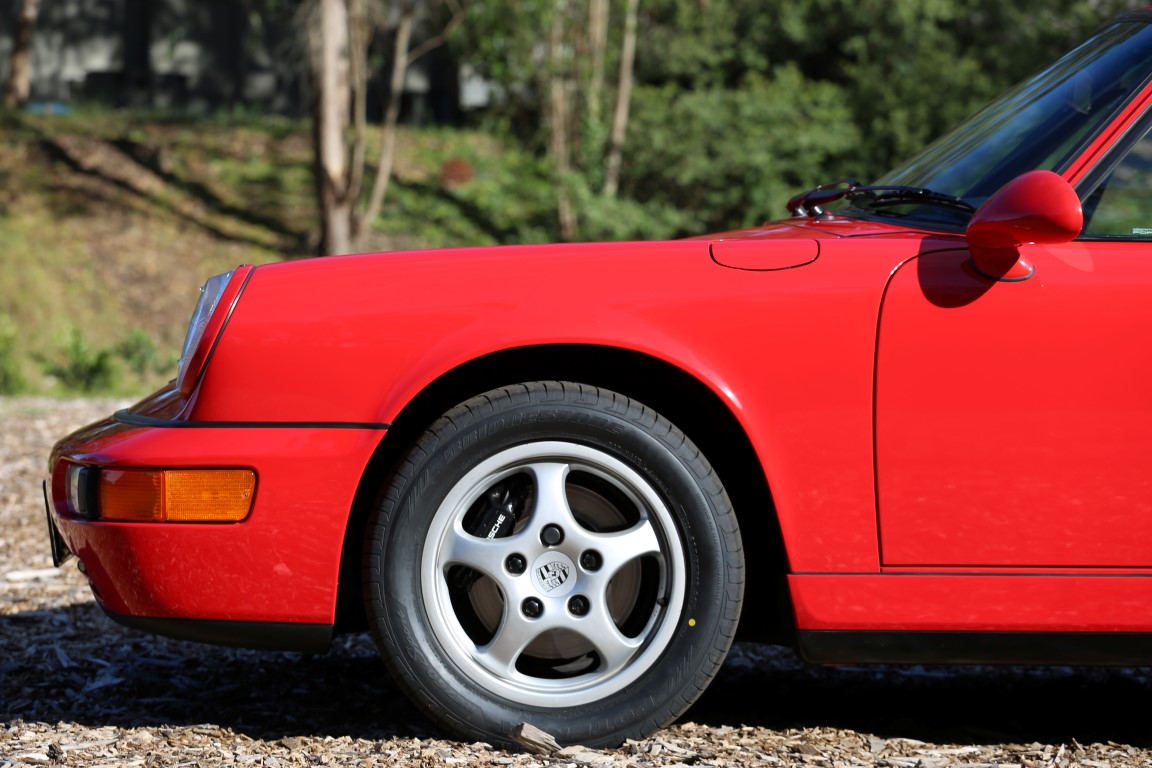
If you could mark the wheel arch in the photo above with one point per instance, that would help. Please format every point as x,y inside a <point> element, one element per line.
<point>684,400</point>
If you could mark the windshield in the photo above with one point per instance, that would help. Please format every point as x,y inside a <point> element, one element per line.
<point>1044,122</point>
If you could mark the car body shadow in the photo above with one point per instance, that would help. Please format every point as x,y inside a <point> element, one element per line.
<point>74,664</point>
<point>78,665</point>
<point>769,687</point>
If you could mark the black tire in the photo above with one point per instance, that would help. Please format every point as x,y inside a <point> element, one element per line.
<point>553,554</point>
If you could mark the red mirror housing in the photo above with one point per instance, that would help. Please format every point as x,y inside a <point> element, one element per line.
<point>1035,207</point>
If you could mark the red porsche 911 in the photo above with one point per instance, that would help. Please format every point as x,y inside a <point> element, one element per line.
<point>910,423</point>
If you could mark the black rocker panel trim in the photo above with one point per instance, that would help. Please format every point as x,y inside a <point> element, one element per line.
<point>263,635</point>
<point>138,420</point>
<point>1072,648</point>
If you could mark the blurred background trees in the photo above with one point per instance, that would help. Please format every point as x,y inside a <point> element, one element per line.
<point>737,104</point>
<point>653,117</point>
<point>148,143</point>
<point>20,68</point>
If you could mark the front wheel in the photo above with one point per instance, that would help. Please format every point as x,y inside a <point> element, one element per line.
<point>558,555</point>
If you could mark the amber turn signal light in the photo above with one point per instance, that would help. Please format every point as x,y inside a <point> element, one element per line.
<point>176,495</point>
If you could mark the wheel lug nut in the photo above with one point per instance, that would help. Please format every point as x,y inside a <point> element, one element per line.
<point>551,535</point>
<point>532,608</point>
<point>591,560</point>
<point>578,605</point>
<point>515,564</point>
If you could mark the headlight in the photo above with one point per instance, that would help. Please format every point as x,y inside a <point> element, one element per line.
<point>80,491</point>
<point>217,297</point>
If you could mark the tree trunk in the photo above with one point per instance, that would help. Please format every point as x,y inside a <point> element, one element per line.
<point>623,101</point>
<point>20,75</point>
<point>341,35</point>
<point>400,62</point>
<point>330,126</point>
<point>597,46</point>
<point>558,117</point>
<point>360,32</point>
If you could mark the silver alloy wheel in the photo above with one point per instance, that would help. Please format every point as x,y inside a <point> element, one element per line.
<point>570,622</point>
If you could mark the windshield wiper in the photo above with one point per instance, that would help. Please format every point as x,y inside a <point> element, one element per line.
<point>812,202</point>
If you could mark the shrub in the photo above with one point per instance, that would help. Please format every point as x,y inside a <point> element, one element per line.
<point>11,381</point>
<point>83,369</point>
<point>139,353</point>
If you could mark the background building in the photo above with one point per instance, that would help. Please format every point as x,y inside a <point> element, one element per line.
<point>197,56</point>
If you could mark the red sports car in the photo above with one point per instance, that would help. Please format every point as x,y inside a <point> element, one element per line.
<point>911,423</point>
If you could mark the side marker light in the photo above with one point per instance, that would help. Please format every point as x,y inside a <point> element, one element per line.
<point>176,495</point>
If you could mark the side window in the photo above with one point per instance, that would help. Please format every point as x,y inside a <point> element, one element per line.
<point>1121,207</point>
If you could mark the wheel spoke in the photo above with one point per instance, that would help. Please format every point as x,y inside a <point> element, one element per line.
<point>515,633</point>
<point>620,548</point>
<point>484,555</point>
<point>552,496</point>
<point>613,646</point>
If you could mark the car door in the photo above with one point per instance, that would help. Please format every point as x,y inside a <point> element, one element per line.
<point>1014,418</point>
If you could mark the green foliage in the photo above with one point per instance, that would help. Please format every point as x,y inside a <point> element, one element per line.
<point>741,103</point>
<point>11,379</point>
<point>81,368</point>
<point>605,219</point>
<point>907,70</point>
<point>509,198</point>
<point>139,353</point>
<point>706,46</point>
<point>496,195</point>
<point>733,157</point>
<point>126,366</point>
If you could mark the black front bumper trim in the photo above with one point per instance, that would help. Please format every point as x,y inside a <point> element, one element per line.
<point>60,550</point>
<point>262,635</point>
<point>131,418</point>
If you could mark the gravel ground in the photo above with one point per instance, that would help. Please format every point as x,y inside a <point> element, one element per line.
<point>78,690</point>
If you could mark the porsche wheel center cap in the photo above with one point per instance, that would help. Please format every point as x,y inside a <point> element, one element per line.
<point>554,574</point>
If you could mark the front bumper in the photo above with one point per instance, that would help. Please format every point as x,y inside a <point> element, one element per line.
<point>279,566</point>
<point>60,551</point>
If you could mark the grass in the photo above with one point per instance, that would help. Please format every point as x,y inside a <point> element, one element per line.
<point>111,221</point>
